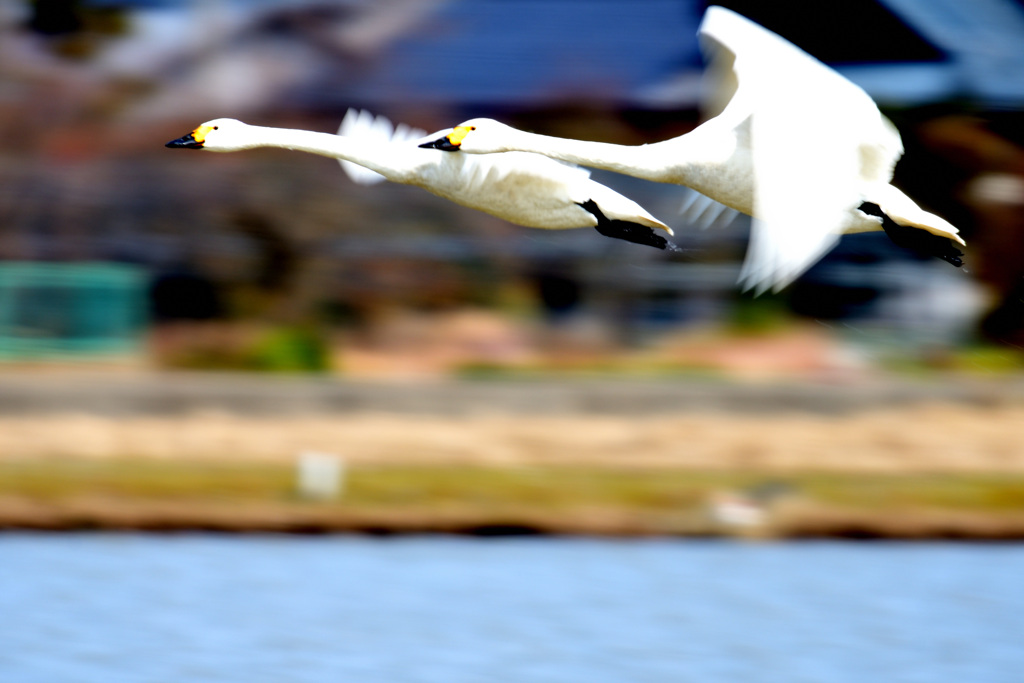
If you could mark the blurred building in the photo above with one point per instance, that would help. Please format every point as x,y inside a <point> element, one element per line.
<point>89,91</point>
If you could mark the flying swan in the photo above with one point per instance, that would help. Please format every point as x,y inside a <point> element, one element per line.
<point>797,146</point>
<point>527,189</point>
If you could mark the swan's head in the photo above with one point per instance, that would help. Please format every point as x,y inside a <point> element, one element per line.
<point>477,136</point>
<point>218,135</point>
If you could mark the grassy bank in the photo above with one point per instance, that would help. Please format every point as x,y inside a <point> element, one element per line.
<point>171,495</point>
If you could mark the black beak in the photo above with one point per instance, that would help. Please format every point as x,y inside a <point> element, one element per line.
<point>442,143</point>
<point>185,142</point>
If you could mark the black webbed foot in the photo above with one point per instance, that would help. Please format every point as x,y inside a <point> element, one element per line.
<point>917,239</point>
<point>630,232</point>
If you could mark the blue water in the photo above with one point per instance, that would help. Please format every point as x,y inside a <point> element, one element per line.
<point>110,608</point>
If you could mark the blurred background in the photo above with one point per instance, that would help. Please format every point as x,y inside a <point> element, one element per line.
<point>113,245</point>
<point>251,342</point>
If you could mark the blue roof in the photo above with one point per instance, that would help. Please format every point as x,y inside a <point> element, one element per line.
<point>985,39</point>
<point>489,51</point>
<point>523,53</point>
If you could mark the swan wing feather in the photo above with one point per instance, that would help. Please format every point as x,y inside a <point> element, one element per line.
<point>479,172</point>
<point>366,126</point>
<point>817,141</point>
<point>703,211</point>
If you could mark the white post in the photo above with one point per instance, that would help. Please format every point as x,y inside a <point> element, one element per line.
<point>321,476</point>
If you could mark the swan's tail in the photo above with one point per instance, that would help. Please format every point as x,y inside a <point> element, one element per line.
<point>910,226</point>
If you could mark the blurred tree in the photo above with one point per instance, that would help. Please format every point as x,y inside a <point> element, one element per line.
<point>989,155</point>
<point>183,293</point>
<point>55,17</point>
<point>278,256</point>
<point>76,27</point>
<point>558,290</point>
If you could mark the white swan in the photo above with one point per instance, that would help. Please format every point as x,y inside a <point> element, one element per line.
<point>797,146</point>
<point>527,189</point>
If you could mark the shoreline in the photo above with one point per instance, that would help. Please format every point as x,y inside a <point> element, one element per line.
<point>140,517</point>
<point>511,500</point>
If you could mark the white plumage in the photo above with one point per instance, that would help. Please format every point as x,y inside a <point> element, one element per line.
<point>796,146</point>
<point>362,124</point>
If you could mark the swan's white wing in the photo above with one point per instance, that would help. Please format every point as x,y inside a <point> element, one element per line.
<point>478,173</point>
<point>802,192</point>
<point>545,173</point>
<point>817,141</point>
<point>366,126</point>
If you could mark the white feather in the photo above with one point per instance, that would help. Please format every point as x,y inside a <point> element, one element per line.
<point>364,125</point>
<point>704,212</point>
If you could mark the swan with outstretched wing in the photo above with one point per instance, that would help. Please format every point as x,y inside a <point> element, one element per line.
<point>798,147</point>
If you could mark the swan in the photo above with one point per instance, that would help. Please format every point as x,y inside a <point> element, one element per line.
<point>527,189</point>
<point>797,146</point>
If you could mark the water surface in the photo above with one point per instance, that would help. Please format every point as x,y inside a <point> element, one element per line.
<point>110,607</point>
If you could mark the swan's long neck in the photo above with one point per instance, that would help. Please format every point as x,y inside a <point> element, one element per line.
<point>706,159</point>
<point>382,157</point>
<point>631,160</point>
<point>671,161</point>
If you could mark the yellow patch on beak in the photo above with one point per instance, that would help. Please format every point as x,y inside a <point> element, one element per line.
<point>200,133</point>
<point>458,133</point>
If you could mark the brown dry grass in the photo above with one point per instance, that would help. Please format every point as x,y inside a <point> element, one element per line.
<point>922,438</point>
